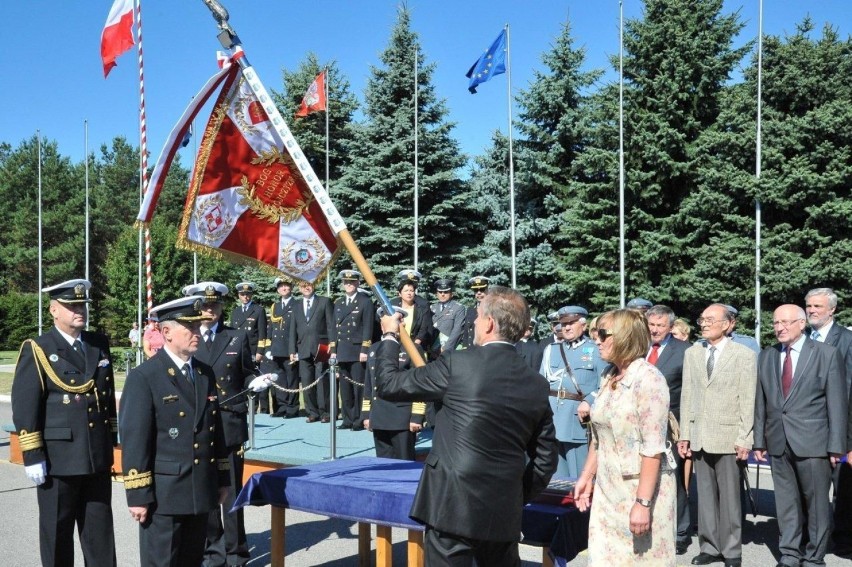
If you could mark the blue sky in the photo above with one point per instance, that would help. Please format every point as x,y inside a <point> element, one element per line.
<point>53,79</point>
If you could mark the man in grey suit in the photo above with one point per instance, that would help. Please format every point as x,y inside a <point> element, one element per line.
<point>666,353</point>
<point>820,305</point>
<point>800,419</point>
<point>717,410</point>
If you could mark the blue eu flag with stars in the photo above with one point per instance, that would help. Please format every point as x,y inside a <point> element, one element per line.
<point>493,62</point>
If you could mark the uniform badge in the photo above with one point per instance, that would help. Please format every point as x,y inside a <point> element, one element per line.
<point>171,371</point>
<point>173,432</point>
<point>103,363</point>
<point>211,398</point>
<point>66,399</point>
<point>170,399</point>
<point>54,358</point>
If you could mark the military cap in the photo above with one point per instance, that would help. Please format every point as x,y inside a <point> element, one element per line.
<point>639,303</point>
<point>732,310</point>
<point>409,275</point>
<point>279,280</point>
<point>350,276</point>
<point>72,291</point>
<point>572,313</point>
<point>553,317</point>
<point>444,284</point>
<point>244,287</point>
<point>212,292</point>
<point>478,282</point>
<point>183,310</point>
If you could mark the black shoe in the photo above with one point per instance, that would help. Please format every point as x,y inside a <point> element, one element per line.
<point>706,559</point>
<point>843,549</point>
<point>290,415</point>
<point>681,547</point>
<point>312,419</point>
<point>278,413</point>
<point>344,426</point>
<point>357,428</point>
<point>735,562</point>
<point>325,419</point>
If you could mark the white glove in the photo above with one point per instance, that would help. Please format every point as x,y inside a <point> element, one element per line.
<point>262,382</point>
<point>37,472</point>
<point>269,355</point>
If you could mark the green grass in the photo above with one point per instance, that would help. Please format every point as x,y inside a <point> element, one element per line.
<point>9,357</point>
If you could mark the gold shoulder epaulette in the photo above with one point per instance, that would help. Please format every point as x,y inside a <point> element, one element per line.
<point>136,479</point>
<point>29,441</point>
<point>418,408</point>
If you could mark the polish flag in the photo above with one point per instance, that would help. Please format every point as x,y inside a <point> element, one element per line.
<point>314,99</point>
<point>117,36</point>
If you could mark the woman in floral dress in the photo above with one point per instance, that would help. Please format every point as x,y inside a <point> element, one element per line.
<point>633,516</point>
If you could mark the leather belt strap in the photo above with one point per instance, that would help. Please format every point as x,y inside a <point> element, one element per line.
<point>563,395</point>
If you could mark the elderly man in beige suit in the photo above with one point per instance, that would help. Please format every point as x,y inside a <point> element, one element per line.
<point>717,418</point>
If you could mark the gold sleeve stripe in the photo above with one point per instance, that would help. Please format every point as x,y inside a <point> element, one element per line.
<point>224,464</point>
<point>418,408</point>
<point>29,441</point>
<point>136,479</point>
<point>367,344</point>
<point>332,344</point>
<point>366,405</point>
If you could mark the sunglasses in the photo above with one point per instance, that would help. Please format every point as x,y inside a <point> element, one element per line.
<point>604,334</point>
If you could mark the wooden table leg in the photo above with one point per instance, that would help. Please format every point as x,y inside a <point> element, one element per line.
<point>363,544</point>
<point>384,546</point>
<point>277,547</point>
<point>415,548</point>
<point>546,561</point>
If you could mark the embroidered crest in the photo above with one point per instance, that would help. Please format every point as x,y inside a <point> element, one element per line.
<point>213,219</point>
<point>300,257</point>
<point>173,432</point>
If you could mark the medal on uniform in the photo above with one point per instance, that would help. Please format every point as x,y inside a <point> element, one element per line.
<point>54,358</point>
<point>173,432</point>
<point>76,397</point>
<point>66,399</point>
<point>171,371</point>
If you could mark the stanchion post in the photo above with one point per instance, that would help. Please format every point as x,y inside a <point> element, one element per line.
<point>251,398</point>
<point>332,402</point>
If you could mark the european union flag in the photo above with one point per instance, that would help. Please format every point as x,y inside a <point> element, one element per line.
<point>493,62</point>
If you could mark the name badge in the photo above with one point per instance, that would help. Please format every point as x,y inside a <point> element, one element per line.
<point>170,399</point>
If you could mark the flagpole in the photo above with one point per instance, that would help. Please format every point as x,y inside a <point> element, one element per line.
<point>621,254</point>
<point>327,159</point>
<point>143,155</point>
<point>230,41</point>
<point>40,275</point>
<point>86,150</point>
<point>758,159</point>
<point>511,158</point>
<point>416,166</point>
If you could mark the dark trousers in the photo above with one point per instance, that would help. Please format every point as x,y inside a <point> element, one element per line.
<point>351,395</point>
<point>682,517</point>
<point>84,500</point>
<point>172,541</point>
<point>393,444</point>
<point>443,549</point>
<point>842,534</point>
<point>226,531</point>
<point>288,402</point>
<point>316,398</point>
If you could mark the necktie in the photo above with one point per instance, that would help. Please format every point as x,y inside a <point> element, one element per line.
<point>307,308</point>
<point>711,362</point>
<point>655,354</point>
<point>815,335</point>
<point>78,346</point>
<point>787,374</point>
<point>208,336</point>
<point>245,308</point>
<point>187,371</point>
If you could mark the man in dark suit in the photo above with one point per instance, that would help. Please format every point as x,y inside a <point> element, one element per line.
<point>250,317</point>
<point>666,353</point>
<point>226,351</point>
<point>488,457</point>
<point>277,357</point>
<point>800,419</point>
<point>820,305</point>
<point>63,407</point>
<point>174,458</point>
<point>352,336</point>
<point>529,349</point>
<point>310,336</point>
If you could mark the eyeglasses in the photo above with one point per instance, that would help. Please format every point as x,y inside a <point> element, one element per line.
<point>708,321</point>
<point>785,322</point>
<point>604,334</point>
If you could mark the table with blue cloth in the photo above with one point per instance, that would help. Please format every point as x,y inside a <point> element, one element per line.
<point>371,490</point>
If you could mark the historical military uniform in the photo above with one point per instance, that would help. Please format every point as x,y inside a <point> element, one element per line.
<point>448,317</point>
<point>174,456</point>
<point>227,352</point>
<point>63,406</point>
<point>352,335</point>
<point>251,318</point>
<point>277,355</point>
<point>390,421</point>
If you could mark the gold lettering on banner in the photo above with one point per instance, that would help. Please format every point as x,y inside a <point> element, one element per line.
<point>267,197</point>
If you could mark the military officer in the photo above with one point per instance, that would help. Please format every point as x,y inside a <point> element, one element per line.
<point>573,367</point>
<point>277,357</point>
<point>227,352</point>
<point>63,407</point>
<point>448,317</point>
<point>479,285</point>
<point>174,458</point>
<point>529,349</point>
<point>251,318</point>
<point>639,304</point>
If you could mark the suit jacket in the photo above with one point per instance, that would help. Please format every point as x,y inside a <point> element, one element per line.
<point>421,326</point>
<point>670,364</point>
<point>352,331</point>
<point>230,358</point>
<point>841,338</point>
<point>813,418</point>
<point>253,322</point>
<point>173,449</point>
<point>307,334</point>
<point>494,446</point>
<point>531,352</point>
<point>278,328</point>
<point>449,321</point>
<point>718,414</point>
<point>63,406</point>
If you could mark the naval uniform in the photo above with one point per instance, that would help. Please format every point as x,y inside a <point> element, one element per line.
<point>251,318</point>
<point>587,365</point>
<point>449,319</point>
<point>469,319</point>
<point>229,356</point>
<point>63,407</point>
<point>277,358</point>
<point>389,421</point>
<point>174,457</point>
<point>351,335</point>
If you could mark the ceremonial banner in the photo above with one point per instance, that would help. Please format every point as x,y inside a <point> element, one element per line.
<point>314,99</point>
<point>117,36</point>
<point>492,62</point>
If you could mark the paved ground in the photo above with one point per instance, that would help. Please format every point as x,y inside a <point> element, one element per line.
<point>311,540</point>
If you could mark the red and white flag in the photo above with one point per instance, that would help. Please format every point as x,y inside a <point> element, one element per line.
<point>314,99</point>
<point>117,36</point>
<point>248,200</point>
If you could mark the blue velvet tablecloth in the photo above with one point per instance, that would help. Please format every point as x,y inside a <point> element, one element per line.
<point>381,491</point>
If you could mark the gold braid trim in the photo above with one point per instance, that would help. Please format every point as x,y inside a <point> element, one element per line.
<point>43,364</point>
<point>418,408</point>
<point>29,441</point>
<point>272,317</point>
<point>224,464</point>
<point>136,479</point>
